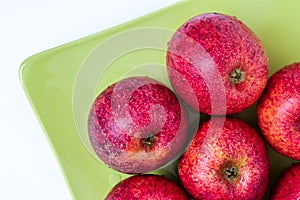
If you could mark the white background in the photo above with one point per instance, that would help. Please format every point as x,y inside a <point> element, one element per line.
<point>28,168</point>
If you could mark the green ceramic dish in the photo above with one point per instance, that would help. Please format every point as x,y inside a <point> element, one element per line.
<point>60,83</point>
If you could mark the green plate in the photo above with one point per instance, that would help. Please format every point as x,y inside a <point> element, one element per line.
<point>61,83</point>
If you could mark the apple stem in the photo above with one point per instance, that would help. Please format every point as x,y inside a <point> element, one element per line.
<point>237,76</point>
<point>231,173</point>
<point>149,141</point>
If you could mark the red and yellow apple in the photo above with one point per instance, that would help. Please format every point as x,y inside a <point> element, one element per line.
<point>227,159</point>
<point>147,187</point>
<point>278,111</point>
<point>221,60</point>
<point>288,186</point>
<point>137,125</point>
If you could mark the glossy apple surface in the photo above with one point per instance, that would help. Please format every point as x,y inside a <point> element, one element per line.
<point>278,111</point>
<point>288,186</point>
<point>137,125</point>
<point>147,187</point>
<point>226,160</point>
<point>217,55</point>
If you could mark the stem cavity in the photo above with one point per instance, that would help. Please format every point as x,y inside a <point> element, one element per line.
<point>237,76</point>
<point>231,173</point>
<point>149,141</point>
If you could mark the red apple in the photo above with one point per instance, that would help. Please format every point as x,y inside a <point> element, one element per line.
<point>288,186</point>
<point>147,187</point>
<point>137,125</point>
<point>278,111</point>
<point>226,160</point>
<point>221,59</point>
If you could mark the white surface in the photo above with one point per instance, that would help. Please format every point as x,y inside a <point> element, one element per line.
<point>28,168</point>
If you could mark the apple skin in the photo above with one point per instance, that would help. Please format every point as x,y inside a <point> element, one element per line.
<point>137,125</point>
<point>147,187</point>
<point>288,186</point>
<point>278,111</point>
<point>234,167</point>
<point>221,43</point>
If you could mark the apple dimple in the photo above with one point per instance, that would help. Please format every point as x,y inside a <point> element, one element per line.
<point>231,173</point>
<point>149,141</point>
<point>237,76</point>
